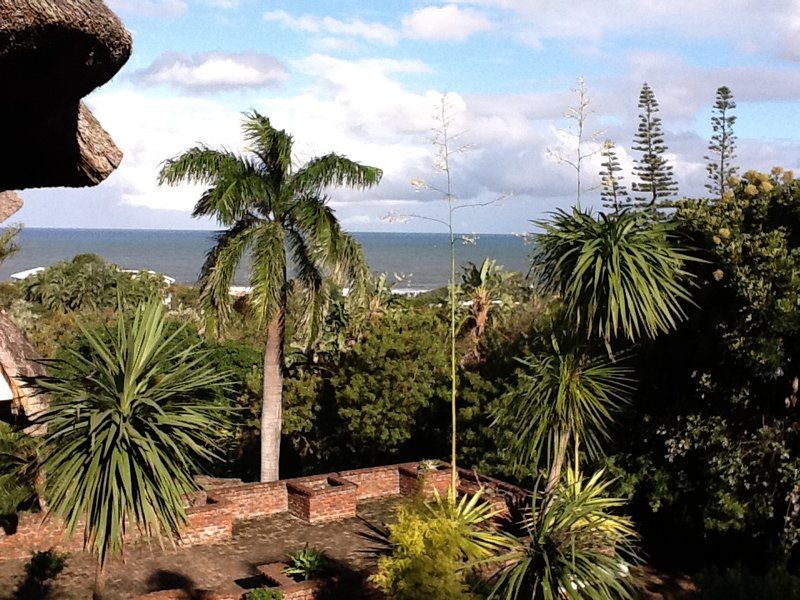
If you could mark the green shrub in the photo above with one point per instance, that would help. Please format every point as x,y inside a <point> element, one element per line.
<point>307,563</point>
<point>40,571</point>
<point>89,282</point>
<point>434,547</point>
<point>264,594</point>
<point>739,584</point>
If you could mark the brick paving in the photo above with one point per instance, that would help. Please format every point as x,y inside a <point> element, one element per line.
<point>224,567</point>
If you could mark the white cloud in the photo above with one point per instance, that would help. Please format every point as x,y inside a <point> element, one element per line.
<point>363,109</point>
<point>214,71</point>
<point>448,22</point>
<point>370,31</point>
<point>771,26</point>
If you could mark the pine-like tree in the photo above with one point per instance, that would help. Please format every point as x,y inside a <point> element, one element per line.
<point>655,179</point>
<point>613,192</point>
<point>722,146</point>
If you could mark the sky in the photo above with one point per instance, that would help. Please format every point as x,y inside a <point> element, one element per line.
<point>366,79</point>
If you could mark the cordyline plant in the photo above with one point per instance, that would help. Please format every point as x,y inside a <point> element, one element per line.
<point>572,545</point>
<point>618,275</point>
<point>125,433</point>
<point>565,398</point>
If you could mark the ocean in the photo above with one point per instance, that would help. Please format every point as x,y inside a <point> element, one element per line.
<point>413,260</point>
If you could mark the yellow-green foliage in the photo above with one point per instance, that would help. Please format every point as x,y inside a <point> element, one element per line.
<point>435,546</point>
<point>426,561</point>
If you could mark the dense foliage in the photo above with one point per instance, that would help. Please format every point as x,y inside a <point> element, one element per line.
<point>88,282</point>
<point>712,444</point>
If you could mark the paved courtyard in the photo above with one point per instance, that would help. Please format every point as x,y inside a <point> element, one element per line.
<point>228,568</point>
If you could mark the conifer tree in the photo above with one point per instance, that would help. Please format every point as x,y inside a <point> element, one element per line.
<point>722,146</point>
<point>613,192</point>
<point>654,174</point>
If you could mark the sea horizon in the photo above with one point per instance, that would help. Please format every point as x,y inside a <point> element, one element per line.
<point>413,260</point>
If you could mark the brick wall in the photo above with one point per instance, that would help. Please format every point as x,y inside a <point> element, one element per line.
<point>375,482</point>
<point>316,499</point>
<point>311,498</point>
<point>251,500</point>
<point>32,535</point>
<point>208,524</point>
<point>414,481</point>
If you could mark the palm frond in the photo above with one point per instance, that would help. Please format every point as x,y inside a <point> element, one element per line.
<point>8,246</point>
<point>219,269</point>
<point>562,389</point>
<point>268,270</point>
<point>575,546</point>
<point>272,146</point>
<point>333,170</point>
<point>235,182</point>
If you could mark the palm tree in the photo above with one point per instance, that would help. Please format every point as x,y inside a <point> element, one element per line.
<point>617,275</point>
<point>271,209</point>
<point>125,432</point>
<point>563,398</point>
<point>482,287</point>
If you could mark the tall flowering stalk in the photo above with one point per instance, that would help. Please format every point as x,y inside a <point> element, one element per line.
<point>447,146</point>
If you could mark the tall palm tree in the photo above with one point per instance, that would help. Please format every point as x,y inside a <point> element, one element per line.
<point>275,212</point>
<point>125,432</point>
<point>618,275</point>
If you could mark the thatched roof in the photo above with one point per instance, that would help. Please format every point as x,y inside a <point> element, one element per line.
<point>18,360</point>
<point>53,53</point>
<point>9,204</point>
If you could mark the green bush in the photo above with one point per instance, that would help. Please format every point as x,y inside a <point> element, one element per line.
<point>264,594</point>
<point>739,584</point>
<point>434,547</point>
<point>89,282</point>
<point>40,571</point>
<point>711,450</point>
<point>307,563</point>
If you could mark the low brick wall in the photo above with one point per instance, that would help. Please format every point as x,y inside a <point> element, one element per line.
<point>33,535</point>
<point>208,524</point>
<point>375,482</point>
<point>251,500</point>
<point>313,499</point>
<point>322,498</point>
<point>414,480</point>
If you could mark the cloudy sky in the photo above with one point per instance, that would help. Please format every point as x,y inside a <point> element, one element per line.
<point>365,79</point>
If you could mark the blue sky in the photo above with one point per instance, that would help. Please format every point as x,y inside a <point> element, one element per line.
<point>364,78</point>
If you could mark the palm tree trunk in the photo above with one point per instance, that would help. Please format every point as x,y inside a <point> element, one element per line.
<point>40,486</point>
<point>558,465</point>
<point>272,408</point>
<point>99,581</point>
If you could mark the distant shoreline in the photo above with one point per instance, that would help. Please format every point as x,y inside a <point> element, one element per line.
<point>413,261</point>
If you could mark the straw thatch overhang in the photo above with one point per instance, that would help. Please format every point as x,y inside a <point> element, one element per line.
<point>10,203</point>
<point>52,54</point>
<point>18,360</point>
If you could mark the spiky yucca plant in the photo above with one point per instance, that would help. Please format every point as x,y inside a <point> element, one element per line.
<point>618,275</point>
<point>125,432</point>
<point>576,546</point>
